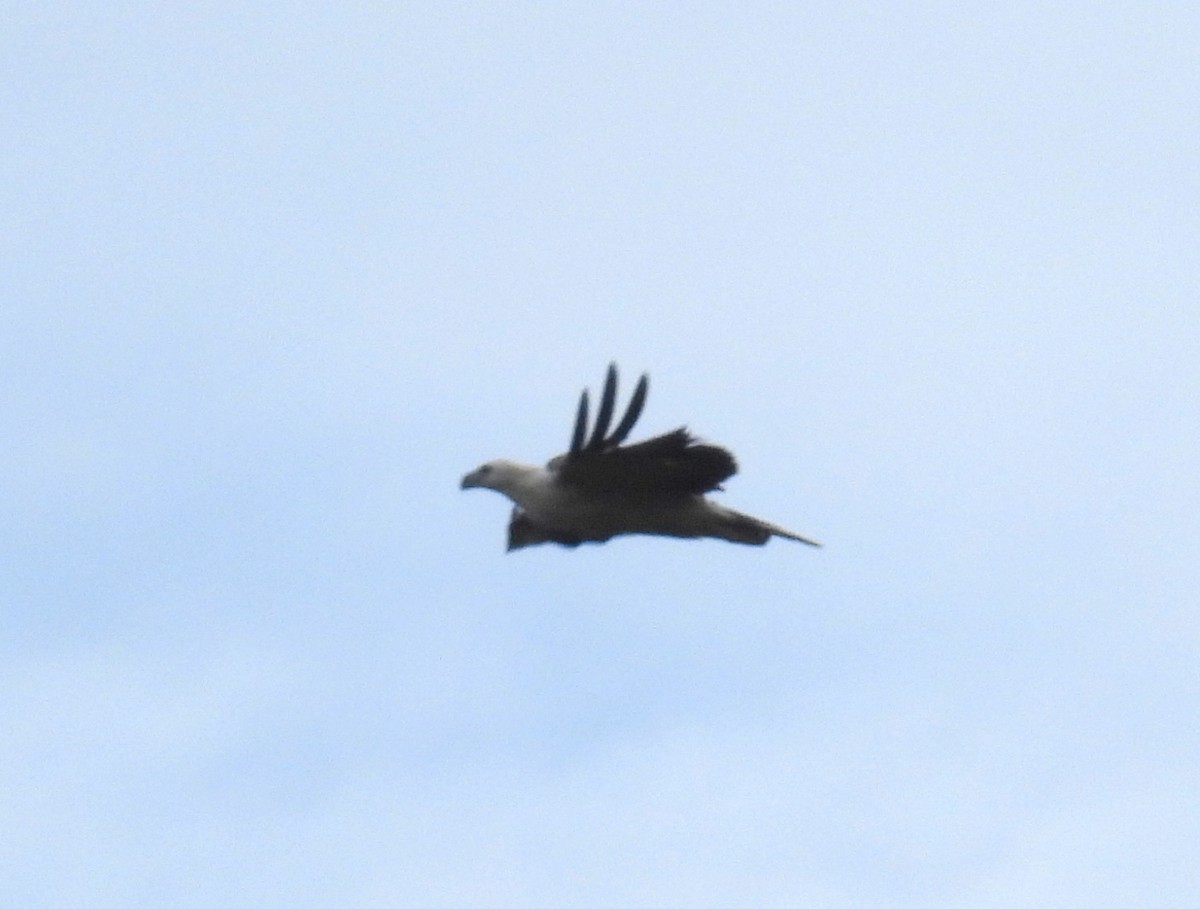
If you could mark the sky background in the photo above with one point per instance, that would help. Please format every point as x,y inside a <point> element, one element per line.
<point>275,276</point>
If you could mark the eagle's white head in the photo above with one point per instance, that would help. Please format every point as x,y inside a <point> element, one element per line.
<point>501,475</point>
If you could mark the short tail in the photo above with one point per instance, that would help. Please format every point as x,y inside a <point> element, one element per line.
<point>742,528</point>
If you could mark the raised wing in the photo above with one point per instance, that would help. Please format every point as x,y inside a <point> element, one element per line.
<point>671,464</point>
<point>608,399</point>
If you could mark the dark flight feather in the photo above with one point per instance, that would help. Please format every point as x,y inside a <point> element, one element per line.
<point>632,412</point>
<point>607,399</point>
<point>581,419</point>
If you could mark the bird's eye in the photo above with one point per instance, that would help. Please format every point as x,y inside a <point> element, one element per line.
<point>485,470</point>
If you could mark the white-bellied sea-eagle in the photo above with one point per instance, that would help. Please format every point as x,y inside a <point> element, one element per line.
<point>600,488</point>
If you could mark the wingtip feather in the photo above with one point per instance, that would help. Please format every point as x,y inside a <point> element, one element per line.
<point>607,399</point>
<point>581,419</point>
<point>632,412</point>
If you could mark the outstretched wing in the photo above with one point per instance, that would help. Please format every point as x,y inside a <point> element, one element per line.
<point>671,464</point>
<point>523,531</point>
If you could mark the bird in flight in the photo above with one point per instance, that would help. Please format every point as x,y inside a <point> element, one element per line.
<point>599,488</point>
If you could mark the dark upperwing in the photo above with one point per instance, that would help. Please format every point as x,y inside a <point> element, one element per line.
<point>674,463</point>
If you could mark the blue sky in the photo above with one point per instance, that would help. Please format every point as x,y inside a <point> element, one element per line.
<point>276,277</point>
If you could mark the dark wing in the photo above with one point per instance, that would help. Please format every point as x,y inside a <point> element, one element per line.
<point>599,441</point>
<point>671,464</point>
<point>522,532</point>
<point>674,463</point>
